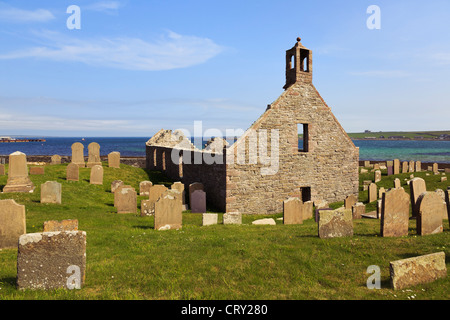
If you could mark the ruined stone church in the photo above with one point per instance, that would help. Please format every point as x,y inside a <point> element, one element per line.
<point>321,167</point>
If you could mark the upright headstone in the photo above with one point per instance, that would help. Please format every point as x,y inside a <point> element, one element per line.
<point>377,176</point>
<point>447,202</point>
<point>390,170</point>
<point>144,188</point>
<point>198,201</point>
<point>168,212</point>
<point>114,159</point>
<point>435,168</point>
<point>125,200</point>
<point>335,223</point>
<point>431,210</point>
<point>96,175</point>
<point>2,169</point>
<point>293,211</point>
<point>417,270</point>
<point>380,192</point>
<point>12,223</point>
<point>397,183</point>
<point>366,163</point>
<point>358,209</point>
<point>18,179</point>
<point>155,193</point>
<point>396,166</point>
<point>116,184</point>
<point>94,155</point>
<point>37,170</point>
<point>51,192</point>
<point>56,159</point>
<point>417,187</point>
<point>51,260</point>
<point>78,154</point>
<point>372,192</point>
<point>418,166</point>
<point>307,210</point>
<point>394,213</point>
<point>411,166</point>
<point>405,166</point>
<point>73,172</point>
<point>209,219</point>
<point>180,187</point>
<point>194,186</point>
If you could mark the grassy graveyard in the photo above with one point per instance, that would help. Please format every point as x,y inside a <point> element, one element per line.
<point>128,259</point>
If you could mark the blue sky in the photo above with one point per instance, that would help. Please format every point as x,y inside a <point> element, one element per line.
<point>138,66</point>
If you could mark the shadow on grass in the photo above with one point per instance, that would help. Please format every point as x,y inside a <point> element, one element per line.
<point>9,280</point>
<point>144,227</point>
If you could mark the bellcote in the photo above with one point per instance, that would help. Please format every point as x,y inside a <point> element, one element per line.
<point>298,65</point>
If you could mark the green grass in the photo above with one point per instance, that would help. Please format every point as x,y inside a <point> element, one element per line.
<point>407,135</point>
<point>128,259</point>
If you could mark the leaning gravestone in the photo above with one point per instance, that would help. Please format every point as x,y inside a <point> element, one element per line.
<point>168,212</point>
<point>293,211</point>
<point>114,159</point>
<point>335,223</point>
<point>78,154</point>
<point>12,223</point>
<point>394,213</point>
<point>56,159</point>
<point>125,200</point>
<point>93,155</point>
<point>51,192</point>
<point>417,270</point>
<point>51,260</point>
<point>18,179</point>
<point>73,172</point>
<point>144,188</point>
<point>431,210</point>
<point>198,201</point>
<point>350,201</point>
<point>232,218</point>
<point>417,187</point>
<point>96,175</point>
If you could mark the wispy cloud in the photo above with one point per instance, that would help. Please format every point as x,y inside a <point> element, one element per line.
<point>169,51</point>
<point>11,14</point>
<point>103,6</point>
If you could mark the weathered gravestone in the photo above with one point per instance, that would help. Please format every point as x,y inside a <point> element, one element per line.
<point>431,211</point>
<point>435,168</point>
<point>293,211</point>
<point>447,202</point>
<point>390,170</point>
<point>55,159</point>
<point>198,201</point>
<point>349,201</point>
<point>93,155</point>
<point>96,175</point>
<point>396,166</point>
<point>266,221</point>
<point>51,192</point>
<point>405,166</point>
<point>12,223</point>
<point>37,170</point>
<point>194,186</point>
<point>180,187</point>
<point>397,183</point>
<point>154,194</point>
<point>418,166</point>
<point>209,219</point>
<point>147,208</point>
<point>51,260</point>
<point>358,209</point>
<point>417,270</point>
<point>372,192</point>
<point>317,213</point>
<point>125,200</point>
<point>73,172</point>
<point>417,187</point>
<point>116,184</point>
<point>144,188</point>
<point>377,176</point>
<point>63,225</point>
<point>232,218</point>
<point>168,212</point>
<point>2,169</point>
<point>366,163</point>
<point>78,154</point>
<point>335,223</point>
<point>18,179</point>
<point>380,192</point>
<point>114,159</point>
<point>307,210</point>
<point>394,213</point>
<point>411,166</point>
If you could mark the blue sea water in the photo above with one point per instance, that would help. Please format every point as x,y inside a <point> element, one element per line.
<point>405,150</point>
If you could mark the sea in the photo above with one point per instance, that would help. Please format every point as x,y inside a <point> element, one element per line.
<point>377,150</point>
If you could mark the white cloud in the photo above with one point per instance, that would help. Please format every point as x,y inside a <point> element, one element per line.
<point>169,51</point>
<point>103,6</point>
<point>11,14</point>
